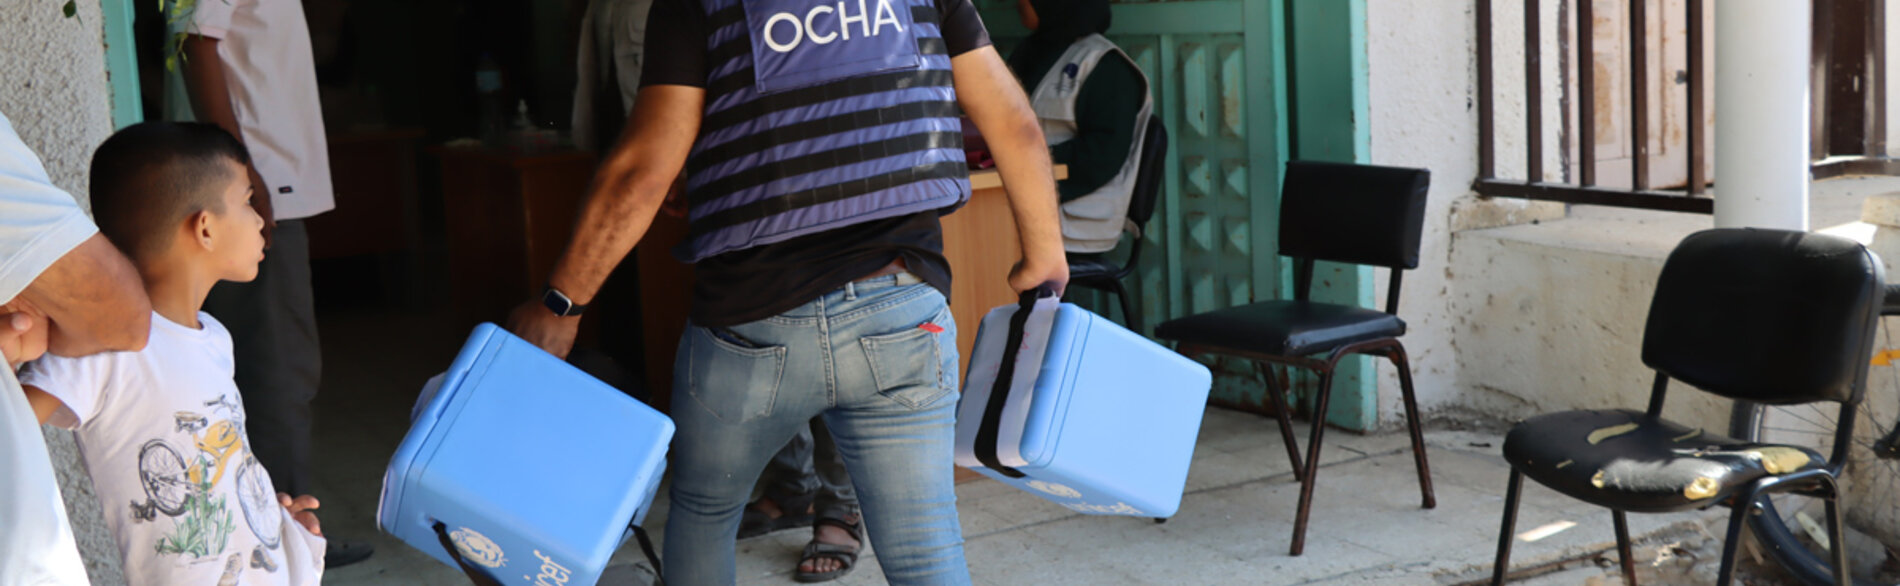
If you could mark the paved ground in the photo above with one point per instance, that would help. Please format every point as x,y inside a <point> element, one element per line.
<point>1233,527</point>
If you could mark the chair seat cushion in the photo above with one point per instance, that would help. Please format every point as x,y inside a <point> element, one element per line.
<point>1283,328</point>
<point>1092,266</point>
<point>1623,460</point>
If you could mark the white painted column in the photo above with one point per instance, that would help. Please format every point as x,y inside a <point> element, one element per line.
<point>1761,113</point>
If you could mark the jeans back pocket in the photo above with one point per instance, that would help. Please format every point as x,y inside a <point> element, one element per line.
<point>736,383</point>
<point>908,366</point>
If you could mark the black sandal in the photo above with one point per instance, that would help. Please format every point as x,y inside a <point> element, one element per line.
<point>846,555</point>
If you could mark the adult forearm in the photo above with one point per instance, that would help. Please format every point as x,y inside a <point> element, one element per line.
<point>621,204</point>
<point>1028,174</point>
<point>627,191</point>
<point>629,187</point>
<point>990,96</point>
<point>94,300</point>
<point>206,85</point>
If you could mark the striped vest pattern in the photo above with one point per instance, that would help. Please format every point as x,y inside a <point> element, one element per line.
<point>819,115</point>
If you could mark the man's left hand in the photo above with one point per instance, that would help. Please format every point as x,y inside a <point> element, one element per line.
<point>555,334</point>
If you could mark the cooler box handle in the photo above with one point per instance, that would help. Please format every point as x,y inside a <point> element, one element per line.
<point>476,575</point>
<point>999,391</point>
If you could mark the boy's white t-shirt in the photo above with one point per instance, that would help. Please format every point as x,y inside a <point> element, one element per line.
<point>162,431</point>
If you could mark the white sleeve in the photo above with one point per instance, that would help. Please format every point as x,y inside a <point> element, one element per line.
<point>36,546</point>
<point>208,18</point>
<point>78,383</point>
<point>39,223</point>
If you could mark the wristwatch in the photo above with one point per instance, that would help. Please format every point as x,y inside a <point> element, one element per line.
<point>559,303</point>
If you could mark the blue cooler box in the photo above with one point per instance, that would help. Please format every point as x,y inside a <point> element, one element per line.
<point>533,469</point>
<point>1097,418</point>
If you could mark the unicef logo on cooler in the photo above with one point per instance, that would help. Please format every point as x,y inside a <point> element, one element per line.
<point>785,31</point>
<point>1056,490</point>
<point>477,548</point>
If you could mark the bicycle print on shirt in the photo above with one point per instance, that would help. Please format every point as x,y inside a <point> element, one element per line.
<point>180,476</point>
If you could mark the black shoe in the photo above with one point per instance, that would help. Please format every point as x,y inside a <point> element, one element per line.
<point>338,553</point>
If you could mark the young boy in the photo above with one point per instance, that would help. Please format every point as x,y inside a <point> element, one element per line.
<point>162,429</point>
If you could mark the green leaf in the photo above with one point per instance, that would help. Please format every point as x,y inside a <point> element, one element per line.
<point>72,8</point>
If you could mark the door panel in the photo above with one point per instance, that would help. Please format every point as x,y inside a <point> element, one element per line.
<point>1213,69</point>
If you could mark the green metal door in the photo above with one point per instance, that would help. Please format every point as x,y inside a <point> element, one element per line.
<point>1218,72</point>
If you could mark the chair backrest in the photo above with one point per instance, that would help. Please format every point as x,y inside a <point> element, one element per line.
<point>1359,214</point>
<point>1769,316</point>
<point>1149,172</point>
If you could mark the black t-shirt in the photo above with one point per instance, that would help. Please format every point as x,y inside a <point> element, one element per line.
<point>759,282</point>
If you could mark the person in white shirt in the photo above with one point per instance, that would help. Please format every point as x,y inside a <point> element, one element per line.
<point>61,286</point>
<point>248,67</point>
<point>163,429</point>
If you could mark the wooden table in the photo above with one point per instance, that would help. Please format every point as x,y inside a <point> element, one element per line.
<point>373,175</point>
<point>509,216</point>
<point>979,240</point>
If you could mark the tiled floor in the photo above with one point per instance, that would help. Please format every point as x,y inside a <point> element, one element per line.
<point>1233,527</point>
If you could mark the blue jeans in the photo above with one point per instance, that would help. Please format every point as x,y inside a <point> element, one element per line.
<point>865,358</point>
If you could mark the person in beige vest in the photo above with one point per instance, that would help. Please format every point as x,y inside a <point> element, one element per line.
<point>1094,104</point>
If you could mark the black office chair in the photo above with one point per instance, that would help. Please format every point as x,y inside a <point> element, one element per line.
<point>1767,316</point>
<point>1096,272</point>
<point>1335,212</point>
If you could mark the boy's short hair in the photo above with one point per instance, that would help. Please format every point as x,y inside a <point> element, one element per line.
<point>150,176</point>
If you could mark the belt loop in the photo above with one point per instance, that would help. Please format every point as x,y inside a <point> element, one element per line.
<point>851,291</point>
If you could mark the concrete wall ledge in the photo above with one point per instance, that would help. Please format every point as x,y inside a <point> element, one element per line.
<point>1610,231</point>
<point>1549,316</point>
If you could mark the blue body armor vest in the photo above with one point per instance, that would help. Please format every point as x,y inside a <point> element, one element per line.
<point>820,114</point>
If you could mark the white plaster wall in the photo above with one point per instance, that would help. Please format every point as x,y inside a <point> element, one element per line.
<point>1421,57</point>
<point>53,84</point>
<point>53,88</point>
<point>1551,316</point>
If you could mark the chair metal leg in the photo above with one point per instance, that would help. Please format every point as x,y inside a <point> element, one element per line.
<point>1744,505</point>
<point>1308,480</point>
<point>1276,397</point>
<point>1502,565</point>
<point>1397,355</point>
<point>1128,307</point>
<point>1624,555</point>
<point>1837,534</point>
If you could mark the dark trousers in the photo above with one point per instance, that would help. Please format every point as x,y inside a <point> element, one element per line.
<point>273,326</point>
<point>808,467</point>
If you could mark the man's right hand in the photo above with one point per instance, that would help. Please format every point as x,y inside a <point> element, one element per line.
<point>1030,273</point>
<point>555,334</point>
